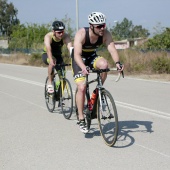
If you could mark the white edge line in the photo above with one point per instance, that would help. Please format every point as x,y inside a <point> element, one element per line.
<point>121,104</point>
<point>143,109</point>
<point>126,77</point>
<point>22,80</point>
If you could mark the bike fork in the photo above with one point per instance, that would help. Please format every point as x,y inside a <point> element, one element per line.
<point>100,100</point>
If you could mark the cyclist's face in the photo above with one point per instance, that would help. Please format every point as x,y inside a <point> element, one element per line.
<point>59,34</point>
<point>99,29</point>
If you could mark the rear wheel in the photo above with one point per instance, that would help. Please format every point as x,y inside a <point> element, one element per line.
<point>66,99</point>
<point>107,118</point>
<point>50,98</point>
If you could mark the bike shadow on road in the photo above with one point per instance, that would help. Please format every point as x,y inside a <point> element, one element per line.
<point>94,130</point>
<point>126,133</point>
<point>58,110</point>
<point>128,129</point>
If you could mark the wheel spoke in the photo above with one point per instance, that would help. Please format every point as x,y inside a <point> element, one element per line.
<point>49,98</point>
<point>67,99</point>
<point>107,118</point>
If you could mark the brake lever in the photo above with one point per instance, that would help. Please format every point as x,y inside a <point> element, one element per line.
<point>121,71</point>
<point>122,74</point>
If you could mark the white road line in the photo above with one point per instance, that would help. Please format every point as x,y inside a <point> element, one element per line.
<point>143,109</point>
<point>23,100</point>
<point>22,80</point>
<point>118,103</point>
<point>110,75</point>
<point>44,108</point>
<point>152,150</point>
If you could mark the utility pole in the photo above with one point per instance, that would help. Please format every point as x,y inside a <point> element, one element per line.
<point>77,16</point>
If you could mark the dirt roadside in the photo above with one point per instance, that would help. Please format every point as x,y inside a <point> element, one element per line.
<point>20,60</point>
<point>156,77</point>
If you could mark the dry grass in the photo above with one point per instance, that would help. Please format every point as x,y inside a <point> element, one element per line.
<point>19,59</point>
<point>130,59</point>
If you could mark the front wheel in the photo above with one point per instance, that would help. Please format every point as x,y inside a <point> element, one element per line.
<point>50,98</point>
<point>107,118</point>
<point>66,99</point>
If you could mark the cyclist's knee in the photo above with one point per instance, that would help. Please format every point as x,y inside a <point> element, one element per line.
<point>102,63</point>
<point>50,67</point>
<point>81,87</point>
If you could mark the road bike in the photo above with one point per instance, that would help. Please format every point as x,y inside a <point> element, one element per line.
<point>104,108</point>
<point>62,95</point>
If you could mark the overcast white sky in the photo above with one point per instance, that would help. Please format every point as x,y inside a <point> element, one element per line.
<point>147,13</point>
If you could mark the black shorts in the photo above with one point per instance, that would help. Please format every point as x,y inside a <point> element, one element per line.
<point>88,61</point>
<point>59,60</point>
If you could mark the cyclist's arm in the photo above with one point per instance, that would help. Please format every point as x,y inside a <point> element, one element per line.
<point>47,42</point>
<point>111,48</point>
<point>67,41</point>
<point>78,42</point>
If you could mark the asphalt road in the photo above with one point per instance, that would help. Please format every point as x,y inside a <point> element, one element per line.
<point>31,138</point>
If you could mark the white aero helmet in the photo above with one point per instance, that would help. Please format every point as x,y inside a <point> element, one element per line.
<point>97,18</point>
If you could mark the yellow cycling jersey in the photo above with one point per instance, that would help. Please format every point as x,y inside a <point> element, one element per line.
<point>56,46</point>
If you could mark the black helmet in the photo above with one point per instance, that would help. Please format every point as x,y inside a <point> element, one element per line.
<point>58,26</point>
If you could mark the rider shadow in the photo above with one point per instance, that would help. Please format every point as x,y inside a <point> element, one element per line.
<point>94,130</point>
<point>127,128</point>
<point>58,110</point>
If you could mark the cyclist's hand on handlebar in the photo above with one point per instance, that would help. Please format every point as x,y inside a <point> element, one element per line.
<point>120,68</point>
<point>53,62</point>
<point>85,70</point>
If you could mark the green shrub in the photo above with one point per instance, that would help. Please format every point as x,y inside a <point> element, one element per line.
<point>36,59</point>
<point>161,65</point>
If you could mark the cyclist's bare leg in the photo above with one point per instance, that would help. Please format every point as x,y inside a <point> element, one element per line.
<point>50,68</point>
<point>80,98</point>
<point>102,63</point>
<point>49,73</point>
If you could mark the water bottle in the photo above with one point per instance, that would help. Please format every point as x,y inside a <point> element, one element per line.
<point>57,84</point>
<point>93,96</point>
<point>93,100</point>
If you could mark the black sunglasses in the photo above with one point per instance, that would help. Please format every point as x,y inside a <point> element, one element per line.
<point>100,26</point>
<point>59,32</point>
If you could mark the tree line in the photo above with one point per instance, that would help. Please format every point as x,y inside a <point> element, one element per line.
<point>32,35</point>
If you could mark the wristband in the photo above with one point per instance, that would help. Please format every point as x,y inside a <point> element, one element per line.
<point>118,62</point>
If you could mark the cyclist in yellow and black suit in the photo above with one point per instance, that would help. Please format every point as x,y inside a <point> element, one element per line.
<point>85,43</point>
<point>89,55</point>
<point>52,53</point>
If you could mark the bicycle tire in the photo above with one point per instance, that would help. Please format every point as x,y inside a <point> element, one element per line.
<point>85,111</point>
<point>66,99</point>
<point>50,98</point>
<point>107,118</point>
